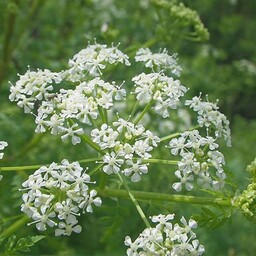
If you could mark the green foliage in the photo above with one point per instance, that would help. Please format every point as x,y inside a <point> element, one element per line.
<point>12,246</point>
<point>212,219</point>
<point>46,33</point>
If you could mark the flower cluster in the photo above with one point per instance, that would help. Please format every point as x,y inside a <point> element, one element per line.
<point>166,239</point>
<point>33,86</point>
<point>92,60</point>
<point>62,112</point>
<point>163,90</point>
<point>81,104</point>
<point>3,144</point>
<point>56,195</point>
<point>128,145</point>
<point>199,155</point>
<point>209,115</point>
<point>160,61</point>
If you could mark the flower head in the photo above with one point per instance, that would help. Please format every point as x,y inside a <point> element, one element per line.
<point>56,195</point>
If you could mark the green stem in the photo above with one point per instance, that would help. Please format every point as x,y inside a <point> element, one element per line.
<point>143,112</point>
<point>160,161</point>
<point>20,168</point>
<point>168,137</point>
<point>95,169</point>
<point>34,167</point>
<point>152,196</point>
<point>91,143</point>
<point>8,40</point>
<point>15,226</point>
<point>131,196</point>
<point>102,114</point>
<point>177,134</point>
<point>134,108</point>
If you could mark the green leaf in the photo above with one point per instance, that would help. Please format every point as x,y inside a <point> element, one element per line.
<point>23,244</point>
<point>13,247</point>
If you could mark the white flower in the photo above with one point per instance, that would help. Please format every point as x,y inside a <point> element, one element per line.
<point>42,218</point>
<point>89,200</point>
<point>141,148</point>
<point>136,168</point>
<point>3,144</point>
<point>112,163</point>
<point>185,180</point>
<point>73,133</point>
<point>66,208</point>
<point>66,228</point>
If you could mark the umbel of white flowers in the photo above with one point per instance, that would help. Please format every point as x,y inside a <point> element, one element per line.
<point>68,113</point>
<point>166,238</point>
<point>88,111</point>
<point>55,195</point>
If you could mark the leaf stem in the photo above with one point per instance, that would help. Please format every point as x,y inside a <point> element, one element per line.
<point>143,112</point>
<point>130,194</point>
<point>91,143</point>
<point>160,161</point>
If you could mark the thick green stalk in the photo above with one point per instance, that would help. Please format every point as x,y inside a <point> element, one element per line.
<point>15,226</point>
<point>152,196</point>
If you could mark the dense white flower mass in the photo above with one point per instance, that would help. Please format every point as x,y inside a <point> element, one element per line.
<point>164,91</point>
<point>125,146</point>
<point>166,238</point>
<point>160,61</point>
<point>208,115</point>
<point>55,195</point>
<point>199,158</point>
<point>128,145</point>
<point>80,104</point>
<point>94,59</point>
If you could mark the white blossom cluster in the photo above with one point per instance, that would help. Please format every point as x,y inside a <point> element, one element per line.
<point>81,104</point>
<point>33,86</point>
<point>54,111</point>
<point>160,61</point>
<point>166,239</point>
<point>199,155</point>
<point>3,144</point>
<point>209,115</point>
<point>92,60</point>
<point>164,91</point>
<point>128,145</point>
<point>56,195</point>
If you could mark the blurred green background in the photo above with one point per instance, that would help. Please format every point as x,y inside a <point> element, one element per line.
<point>45,34</point>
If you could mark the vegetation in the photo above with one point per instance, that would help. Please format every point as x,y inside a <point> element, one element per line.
<point>216,52</point>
